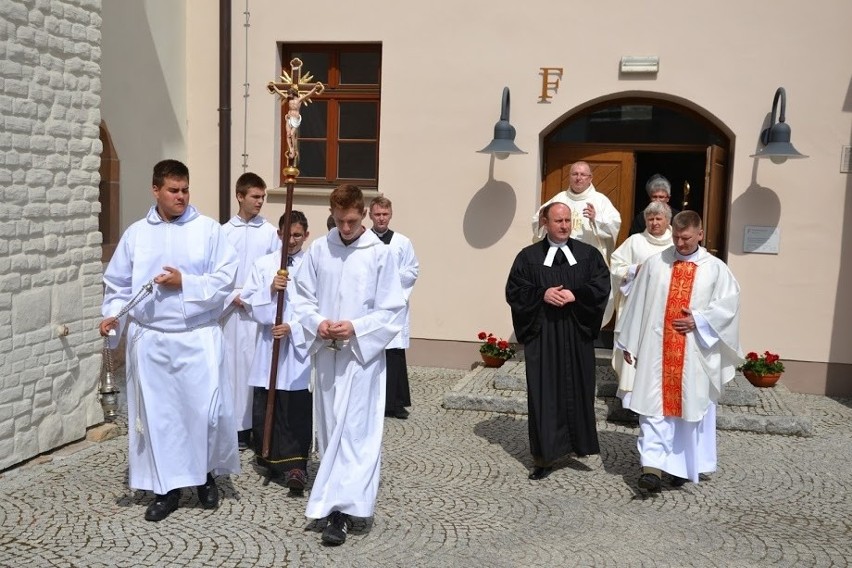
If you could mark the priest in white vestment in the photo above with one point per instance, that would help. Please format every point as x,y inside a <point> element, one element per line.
<point>252,236</point>
<point>624,266</point>
<point>595,220</point>
<point>180,414</point>
<point>350,303</point>
<point>681,330</point>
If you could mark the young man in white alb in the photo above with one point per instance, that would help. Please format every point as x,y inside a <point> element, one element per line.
<point>252,236</point>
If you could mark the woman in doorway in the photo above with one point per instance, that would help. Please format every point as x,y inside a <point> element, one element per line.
<point>625,263</point>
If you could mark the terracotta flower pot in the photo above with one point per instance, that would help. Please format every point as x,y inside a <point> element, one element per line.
<point>492,361</point>
<point>762,380</point>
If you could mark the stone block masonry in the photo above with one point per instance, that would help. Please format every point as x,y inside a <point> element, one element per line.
<point>50,81</point>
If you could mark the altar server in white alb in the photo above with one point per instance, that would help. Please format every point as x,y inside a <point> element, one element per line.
<point>595,220</point>
<point>681,330</point>
<point>290,442</point>
<point>625,264</point>
<point>350,303</point>
<point>180,410</point>
<point>252,236</point>
<point>398,394</point>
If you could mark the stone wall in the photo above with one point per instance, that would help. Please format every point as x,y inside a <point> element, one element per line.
<point>50,270</point>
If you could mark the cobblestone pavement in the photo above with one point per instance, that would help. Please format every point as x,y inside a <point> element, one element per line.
<point>455,493</point>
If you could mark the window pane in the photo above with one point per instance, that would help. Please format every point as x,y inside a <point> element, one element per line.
<point>357,160</point>
<point>360,68</point>
<point>314,120</point>
<point>358,121</point>
<point>312,158</point>
<point>314,63</point>
<point>649,123</point>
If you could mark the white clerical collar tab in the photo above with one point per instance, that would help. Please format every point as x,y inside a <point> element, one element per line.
<point>692,257</point>
<point>551,254</point>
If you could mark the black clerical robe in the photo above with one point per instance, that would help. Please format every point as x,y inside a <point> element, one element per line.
<point>398,390</point>
<point>559,346</point>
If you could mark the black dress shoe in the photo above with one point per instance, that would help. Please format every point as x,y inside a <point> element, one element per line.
<point>208,494</point>
<point>244,439</point>
<point>678,481</point>
<point>540,473</point>
<point>650,482</point>
<point>163,506</point>
<point>400,413</point>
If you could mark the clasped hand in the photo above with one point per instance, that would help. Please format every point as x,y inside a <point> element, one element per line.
<point>336,330</point>
<point>558,296</point>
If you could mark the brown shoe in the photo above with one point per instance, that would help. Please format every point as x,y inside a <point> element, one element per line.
<point>296,479</point>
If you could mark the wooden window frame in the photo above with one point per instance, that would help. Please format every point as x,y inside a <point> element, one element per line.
<point>335,93</point>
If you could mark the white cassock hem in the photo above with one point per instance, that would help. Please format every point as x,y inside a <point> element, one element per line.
<point>681,448</point>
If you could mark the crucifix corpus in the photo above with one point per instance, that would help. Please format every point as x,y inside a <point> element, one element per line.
<point>291,88</point>
<point>294,89</point>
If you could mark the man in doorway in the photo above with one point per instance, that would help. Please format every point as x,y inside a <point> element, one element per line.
<point>681,331</point>
<point>398,394</point>
<point>253,237</point>
<point>595,221</point>
<point>181,417</point>
<point>659,189</point>
<point>558,289</point>
<point>350,304</point>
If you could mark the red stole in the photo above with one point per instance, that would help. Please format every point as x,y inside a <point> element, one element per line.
<point>674,344</point>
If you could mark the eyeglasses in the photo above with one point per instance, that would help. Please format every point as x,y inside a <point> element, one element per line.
<point>577,174</point>
<point>297,237</point>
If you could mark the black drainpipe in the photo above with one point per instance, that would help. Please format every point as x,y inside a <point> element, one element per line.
<point>224,110</point>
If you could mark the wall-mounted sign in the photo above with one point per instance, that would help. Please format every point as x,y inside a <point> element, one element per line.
<point>641,64</point>
<point>761,240</point>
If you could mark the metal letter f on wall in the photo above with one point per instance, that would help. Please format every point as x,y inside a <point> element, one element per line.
<point>550,79</point>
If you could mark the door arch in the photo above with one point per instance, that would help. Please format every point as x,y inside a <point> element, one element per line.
<point>627,138</point>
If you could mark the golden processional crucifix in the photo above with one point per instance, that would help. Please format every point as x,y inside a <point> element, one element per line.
<point>294,89</point>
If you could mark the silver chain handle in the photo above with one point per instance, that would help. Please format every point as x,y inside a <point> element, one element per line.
<point>108,390</point>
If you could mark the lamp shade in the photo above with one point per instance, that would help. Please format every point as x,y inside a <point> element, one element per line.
<point>504,133</point>
<point>776,138</point>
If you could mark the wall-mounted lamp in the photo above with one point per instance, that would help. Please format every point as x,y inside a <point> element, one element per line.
<point>503,143</point>
<point>776,138</point>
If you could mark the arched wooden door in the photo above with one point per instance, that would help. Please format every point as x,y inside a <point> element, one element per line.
<point>627,139</point>
<point>614,174</point>
<point>715,201</point>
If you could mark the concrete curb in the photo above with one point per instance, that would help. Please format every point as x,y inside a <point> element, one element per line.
<point>742,407</point>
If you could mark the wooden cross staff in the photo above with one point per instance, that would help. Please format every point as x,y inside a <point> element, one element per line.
<point>291,94</point>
